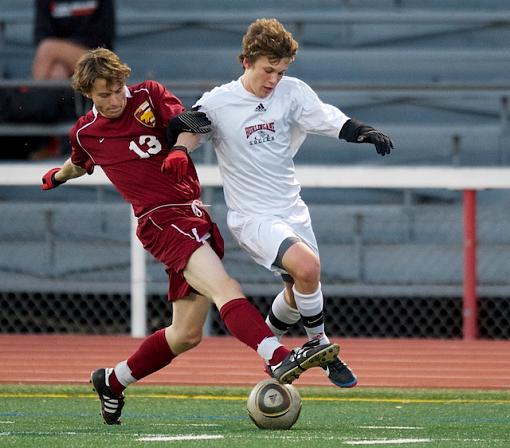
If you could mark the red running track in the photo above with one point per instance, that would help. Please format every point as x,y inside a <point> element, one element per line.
<point>68,359</point>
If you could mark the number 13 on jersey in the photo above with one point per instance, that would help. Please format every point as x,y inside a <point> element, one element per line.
<point>153,144</point>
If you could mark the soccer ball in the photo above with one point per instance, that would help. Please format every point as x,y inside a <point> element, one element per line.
<point>272,405</point>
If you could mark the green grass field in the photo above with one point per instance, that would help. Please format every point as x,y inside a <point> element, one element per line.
<point>36,416</point>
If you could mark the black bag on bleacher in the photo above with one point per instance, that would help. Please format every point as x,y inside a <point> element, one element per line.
<point>37,105</point>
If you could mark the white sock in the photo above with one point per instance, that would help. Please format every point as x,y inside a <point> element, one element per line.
<point>267,347</point>
<point>281,316</point>
<point>310,307</point>
<point>123,374</point>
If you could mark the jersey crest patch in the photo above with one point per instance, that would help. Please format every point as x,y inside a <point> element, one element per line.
<point>145,115</point>
<point>260,133</point>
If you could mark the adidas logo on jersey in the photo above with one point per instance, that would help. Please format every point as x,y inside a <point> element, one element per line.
<point>260,108</point>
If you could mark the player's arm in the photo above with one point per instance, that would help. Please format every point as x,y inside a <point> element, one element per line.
<point>355,131</point>
<point>192,121</point>
<point>57,176</point>
<point>188,140</point>
<point>183,136</point>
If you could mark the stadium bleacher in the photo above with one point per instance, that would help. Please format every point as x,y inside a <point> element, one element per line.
<point>433,75</point>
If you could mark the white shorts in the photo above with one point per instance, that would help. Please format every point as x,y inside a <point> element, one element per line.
<point>262,235</point>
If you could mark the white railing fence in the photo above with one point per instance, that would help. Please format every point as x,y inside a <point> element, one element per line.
<point>465,180</point>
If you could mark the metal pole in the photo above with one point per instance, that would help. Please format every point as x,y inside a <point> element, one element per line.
<point>208,198</point>
<point>470,301</point>
<point>138,296</point>
<point>503,137</point>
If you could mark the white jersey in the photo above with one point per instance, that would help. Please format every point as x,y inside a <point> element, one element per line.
<point>256,140</point>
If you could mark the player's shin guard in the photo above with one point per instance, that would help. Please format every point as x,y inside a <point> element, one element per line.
<point>310,307</point>
<point>245,322</point>
<point>281,316</point>
<point>153,354</point>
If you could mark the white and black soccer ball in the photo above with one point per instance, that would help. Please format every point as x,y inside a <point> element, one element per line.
<point>272,405</point>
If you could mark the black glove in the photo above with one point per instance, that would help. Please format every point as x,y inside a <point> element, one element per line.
<point>189,121</point>
<point>355,131</point>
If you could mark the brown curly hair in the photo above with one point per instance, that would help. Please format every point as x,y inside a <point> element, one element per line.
<point>268,37</point>
<point>99,63</point>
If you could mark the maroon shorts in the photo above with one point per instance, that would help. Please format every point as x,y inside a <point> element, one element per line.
<point>171,235</point>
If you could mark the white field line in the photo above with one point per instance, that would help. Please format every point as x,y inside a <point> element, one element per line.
<point>210,425</point>
<point>390,427</point>
<point>164,438</point>
<point>40,433</point>
<point>386,441</point>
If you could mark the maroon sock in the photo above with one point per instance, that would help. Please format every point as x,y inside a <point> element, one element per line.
<point>279,355</point>
<point>152,355</point>
<point>115,385</point>
<point>245,322</point>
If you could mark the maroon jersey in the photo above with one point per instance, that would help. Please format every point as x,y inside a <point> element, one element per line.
<point>131,148</point>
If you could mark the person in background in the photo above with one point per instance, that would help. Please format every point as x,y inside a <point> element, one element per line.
<point>63,32</point>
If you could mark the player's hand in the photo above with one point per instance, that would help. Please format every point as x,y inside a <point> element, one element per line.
<point>176,163</point>
<point>383,144</point>
<point>190,121</point>
<point>49,181</point>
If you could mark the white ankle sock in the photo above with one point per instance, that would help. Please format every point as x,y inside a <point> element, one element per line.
<point>267,347</point>
<point>123,374</point>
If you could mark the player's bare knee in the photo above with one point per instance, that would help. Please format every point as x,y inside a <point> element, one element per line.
<point>308,273</point>
<point>232,288</point>
<point>229,290</point>
<point>190,339</point>
<point>238,290</point>
<point>182,338</point>
<point>193,339</point>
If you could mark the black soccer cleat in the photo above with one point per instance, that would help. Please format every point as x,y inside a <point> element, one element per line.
<point>339,374</point>
<point>111,405</point>
<point>311,354</point>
